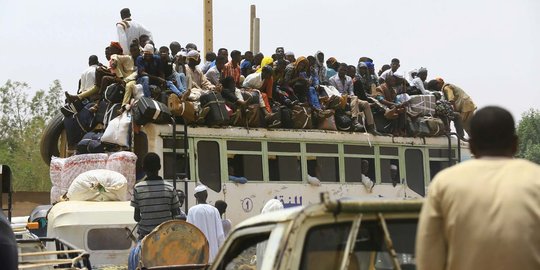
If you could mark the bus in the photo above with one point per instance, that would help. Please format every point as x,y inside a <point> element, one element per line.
<point>282,164</point>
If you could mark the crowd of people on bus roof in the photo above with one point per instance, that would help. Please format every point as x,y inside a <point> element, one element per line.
<point>281,78</point>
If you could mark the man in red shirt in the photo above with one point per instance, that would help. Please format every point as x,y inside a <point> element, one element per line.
<point>232,68</point>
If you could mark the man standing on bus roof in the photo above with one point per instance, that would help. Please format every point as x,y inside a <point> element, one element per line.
<point>128,30</point>
<point>483,213</point>
<point>206,217</point>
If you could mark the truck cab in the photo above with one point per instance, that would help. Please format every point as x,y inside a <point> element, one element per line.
<point>333,234</point>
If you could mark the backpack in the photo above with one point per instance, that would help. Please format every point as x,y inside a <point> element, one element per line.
<point>114,93</point>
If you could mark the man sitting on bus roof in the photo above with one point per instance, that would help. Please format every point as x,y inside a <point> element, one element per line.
<point>197,83</point>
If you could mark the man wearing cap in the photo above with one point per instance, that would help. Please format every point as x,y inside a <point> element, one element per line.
<point>155,201</point>
<point>483,213</point>
<point>197,83</point>
<point>207,218</point>
<point>128,30</point>
<point>148,69</point>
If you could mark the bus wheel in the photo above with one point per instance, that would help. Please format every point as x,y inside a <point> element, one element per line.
<point>54,140</point>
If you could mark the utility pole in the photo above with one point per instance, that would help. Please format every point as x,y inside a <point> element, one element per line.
<point>256,36</point>
<point>208,27</point>
<point>253,15</point>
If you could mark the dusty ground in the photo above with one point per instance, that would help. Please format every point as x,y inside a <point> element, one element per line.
<point>25,202</point>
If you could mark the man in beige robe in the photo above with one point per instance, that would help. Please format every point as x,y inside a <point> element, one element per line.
<point>483,213</point>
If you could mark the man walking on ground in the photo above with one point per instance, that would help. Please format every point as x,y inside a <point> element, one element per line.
<point>483,213</point>
<point>155,201</point>
<point>206,217</point>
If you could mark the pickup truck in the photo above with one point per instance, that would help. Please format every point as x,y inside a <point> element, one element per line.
<point>333,234</point>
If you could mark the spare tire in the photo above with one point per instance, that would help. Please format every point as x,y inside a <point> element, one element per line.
<point>51,139</point>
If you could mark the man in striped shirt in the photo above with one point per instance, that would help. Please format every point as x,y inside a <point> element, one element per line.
<point>155,201</point>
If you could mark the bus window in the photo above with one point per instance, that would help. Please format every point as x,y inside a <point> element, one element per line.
<point>283,147</point>
<point>248,166</point>
<point>243,146</point>
<point>358,149</point>
<point>356,167</point>
<point>321,148</point>
<point>325,169</point>
<point>390,171</point>
<point>284,168</point>
<point>440,153</point>
<point>415,170</point>
<point>437,166</point>
<point>168,163</point>
<point>388,151</point>
<point>208,164</point>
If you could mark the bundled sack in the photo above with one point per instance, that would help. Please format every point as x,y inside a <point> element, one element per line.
<point>217,114</point>
<point>125,163</point>
<point>118,131</point>
<point>253,116</point>
<point>64,170</point>
<point>422,105</point>
<point>436,125</point>
<point>147,110</point>
<point>98,185</point>
<point>417,128</point>
<point>327,123</point>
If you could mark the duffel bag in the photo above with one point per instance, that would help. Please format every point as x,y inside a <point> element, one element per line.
<point>71,108</point>
<point>250,96</point>
<point>286,117</point>
<point>436,125</point>
<point>184,109</point>
<point>418,128</point>
<point>91,143</point>
<point>253,115</point>
<point>106,112</point>
<point>274,119</point>
<point>79,124</point>
<point>301,116</point>
<point>327,123</point>
<point>114,93</point>
<point>147,110</point>
<point>217,115</point>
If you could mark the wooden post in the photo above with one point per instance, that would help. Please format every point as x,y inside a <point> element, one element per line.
<point>252,16</point>
<point>208,27</point>
<point>256,36</point>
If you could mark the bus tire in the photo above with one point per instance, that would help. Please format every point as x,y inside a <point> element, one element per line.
<point>49,145</point>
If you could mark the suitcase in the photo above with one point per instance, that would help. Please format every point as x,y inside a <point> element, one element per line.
<point>328,123</point>
<point>114,93</point>
<point>436,125</point>
<point>79,124</point>
<point>91,143</point>
<point>147,110</point>
<point>301,116</point>
<point>218,114</point>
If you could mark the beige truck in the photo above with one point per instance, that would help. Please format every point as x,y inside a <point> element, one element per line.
<point>332,234</point>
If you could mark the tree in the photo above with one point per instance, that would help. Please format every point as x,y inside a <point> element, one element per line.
<point>22,121</point>
<point>529,136</point>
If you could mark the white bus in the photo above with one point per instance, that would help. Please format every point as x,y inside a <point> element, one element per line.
<point>279,164</point>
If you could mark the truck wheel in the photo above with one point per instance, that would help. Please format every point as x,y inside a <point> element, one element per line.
<point>54,141</point>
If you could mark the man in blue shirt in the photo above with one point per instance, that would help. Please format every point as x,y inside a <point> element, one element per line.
<point>148,69</point>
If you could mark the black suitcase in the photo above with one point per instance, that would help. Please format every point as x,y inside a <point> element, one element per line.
<point>114,93</point>
<point>147,110</point>
<point>218,115</point>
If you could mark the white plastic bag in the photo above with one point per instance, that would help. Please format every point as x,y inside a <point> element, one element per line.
<point>137,92</point>
<point>117,132</point>
<point>331,90</point>
<point>98,185</point>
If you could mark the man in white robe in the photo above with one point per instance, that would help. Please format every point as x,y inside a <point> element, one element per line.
<point>206,217</point>
<point>128,30</point>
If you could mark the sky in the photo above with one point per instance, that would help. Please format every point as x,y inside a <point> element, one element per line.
<point>488,48</point>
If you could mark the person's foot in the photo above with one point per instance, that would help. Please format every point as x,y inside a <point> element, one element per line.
<point>371,129</point>
<point>71,98</point>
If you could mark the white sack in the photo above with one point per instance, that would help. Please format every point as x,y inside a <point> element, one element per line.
<point>98,185</point>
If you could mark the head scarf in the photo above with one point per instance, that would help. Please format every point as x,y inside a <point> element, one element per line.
<point>193,54</point>
<point>116,45</point>
<point>148,49</point>
<point>264,62</point>
<point>298,61</point>
<point>319,63</point>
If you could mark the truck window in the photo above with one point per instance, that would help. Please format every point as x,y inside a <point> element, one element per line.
<point>371,252</point>
<point>437,166</point>
<point>415,171</point>
<point>324,246</point>
<point>208,162</point>
<point>244,252</point>
<point>108,239</point>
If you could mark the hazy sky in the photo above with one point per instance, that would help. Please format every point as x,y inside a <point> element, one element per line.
<point>489,48</point>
